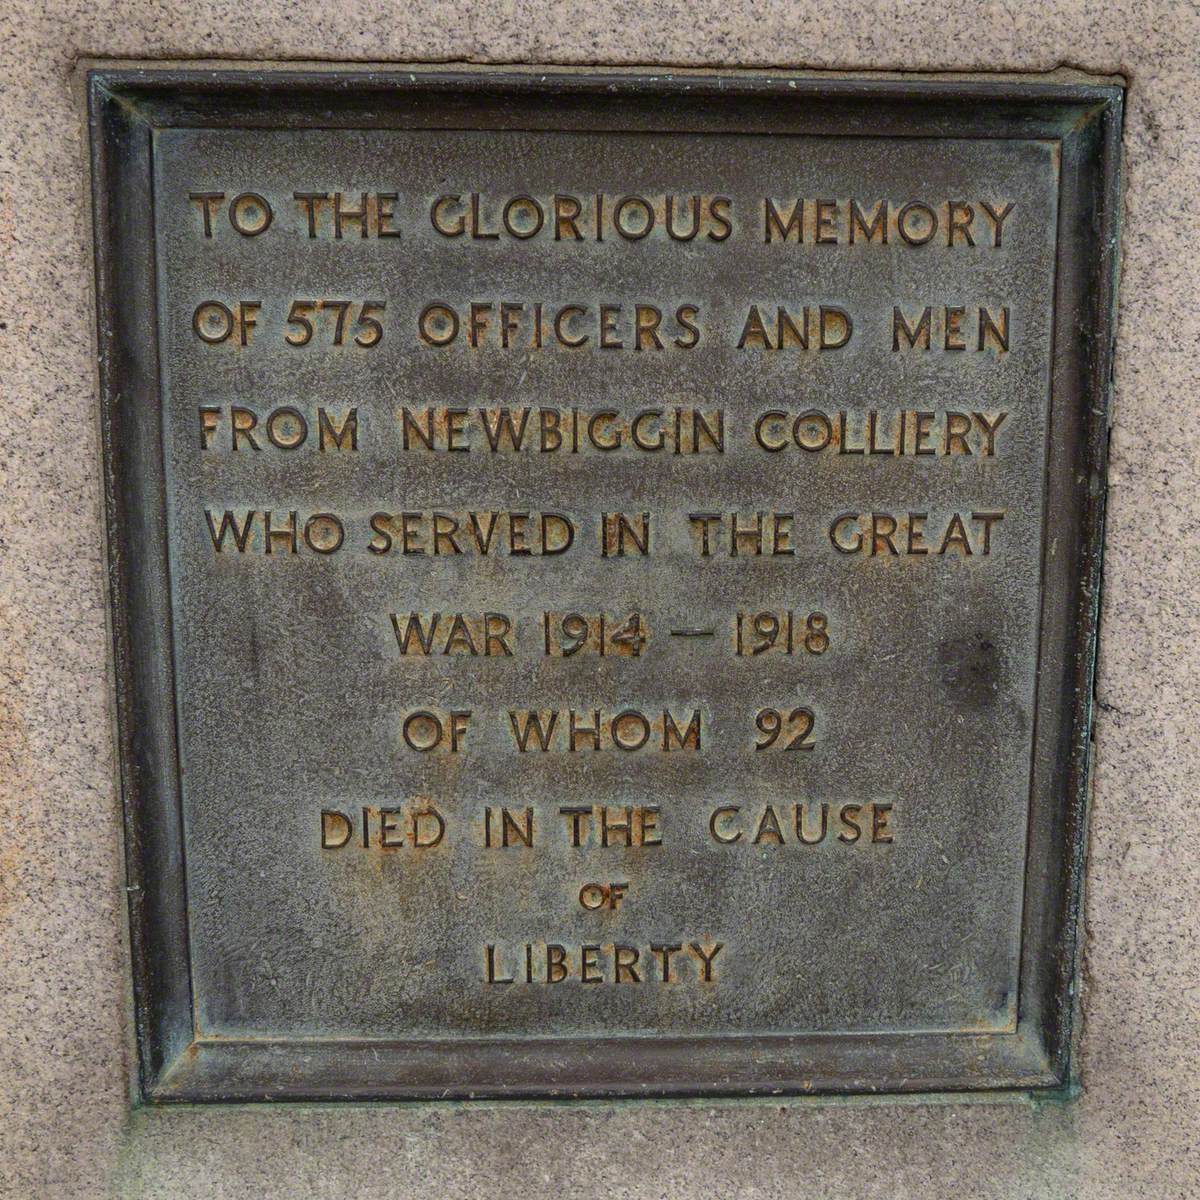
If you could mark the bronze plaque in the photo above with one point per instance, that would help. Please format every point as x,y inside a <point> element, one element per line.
<point>604,572</point>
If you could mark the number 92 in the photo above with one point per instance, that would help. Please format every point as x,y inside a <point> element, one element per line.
<point>795,727</point>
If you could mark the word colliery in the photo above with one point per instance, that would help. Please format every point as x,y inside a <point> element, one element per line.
<point>905,431</point>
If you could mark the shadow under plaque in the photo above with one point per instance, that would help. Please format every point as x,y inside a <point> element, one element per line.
<point>604,570</point>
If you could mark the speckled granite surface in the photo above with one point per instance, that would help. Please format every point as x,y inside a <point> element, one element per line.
<point>65,1126</point>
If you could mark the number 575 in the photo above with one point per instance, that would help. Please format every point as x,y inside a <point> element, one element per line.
<point>338,315</point>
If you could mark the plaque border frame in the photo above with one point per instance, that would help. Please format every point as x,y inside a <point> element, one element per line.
<point>175,1062</point>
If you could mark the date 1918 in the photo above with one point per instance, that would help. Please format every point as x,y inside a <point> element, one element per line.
<point>780,633</point>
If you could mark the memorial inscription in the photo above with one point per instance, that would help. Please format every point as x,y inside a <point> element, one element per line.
<point>618,530</point>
